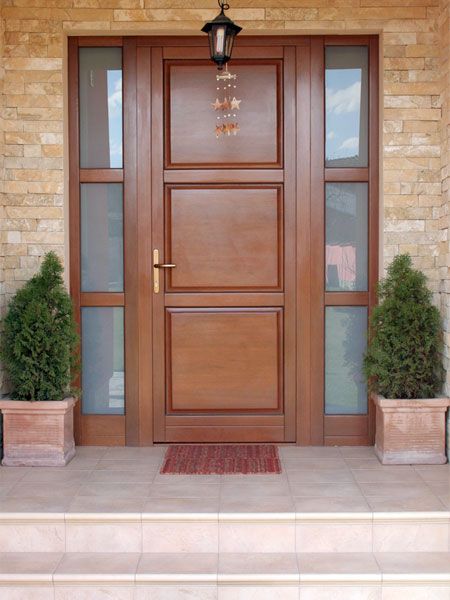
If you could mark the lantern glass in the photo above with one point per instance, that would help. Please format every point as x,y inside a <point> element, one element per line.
<point>220,40</point>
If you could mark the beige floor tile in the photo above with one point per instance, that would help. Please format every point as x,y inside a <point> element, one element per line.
<point>357,451</point>
<point>257,504</point>
<point>154,564</point>
<point>255,478</point>
<point>34,505</point>
<point>12,474</point>
<point>434,472</point>
<point>346,504</point>
<point>396,490</point>
<point>93,452</point>
<point>142,476</point>
<point>55,476</point>
<point>78,463</point>
<point>153,452</point>
<point>334,563</point>
<point>105,504</point>
<point>382,476</point>
<point>43,490</point>
<point>387,504</point>
<point>326,490</point>
<point>195,479</point>
<point>243,490</point>
<point>182,505</point>
<point>135,464</point>
<point>368,462</point>
<point>321,476</point>
<point>313,464</point>
<point>183,490</point>
<point>309,452</point>
<point>115,490</point>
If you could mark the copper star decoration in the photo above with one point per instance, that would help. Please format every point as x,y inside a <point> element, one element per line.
<point>225,104</point>
<point>235,104</point>
<point>217,105</point>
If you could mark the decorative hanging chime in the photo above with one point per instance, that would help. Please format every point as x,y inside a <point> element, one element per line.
<point>221,32</point>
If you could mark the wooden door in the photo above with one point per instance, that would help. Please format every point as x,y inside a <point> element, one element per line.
<point>222,211</point>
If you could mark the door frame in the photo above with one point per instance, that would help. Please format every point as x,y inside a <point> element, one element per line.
<point>136,427</point>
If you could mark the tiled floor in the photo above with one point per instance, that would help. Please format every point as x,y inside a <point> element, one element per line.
<point>313,480</point>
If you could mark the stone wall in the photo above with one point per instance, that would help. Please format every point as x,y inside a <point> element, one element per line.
<point>414,83</point>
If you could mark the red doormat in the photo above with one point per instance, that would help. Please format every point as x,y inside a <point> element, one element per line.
<point>221,459</point>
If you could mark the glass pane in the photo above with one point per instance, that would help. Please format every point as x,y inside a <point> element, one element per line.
<point>102,372</point>
<point>347,104</point>
<point>101,237</point>
<point>100,89</point>
<point>346,237</point>
<point>345,345</point>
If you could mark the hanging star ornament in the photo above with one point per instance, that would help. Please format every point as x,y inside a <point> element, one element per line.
<point>235,104</point>
<point>217,105</point>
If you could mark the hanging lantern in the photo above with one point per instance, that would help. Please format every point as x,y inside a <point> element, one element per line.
<point>221,32</point>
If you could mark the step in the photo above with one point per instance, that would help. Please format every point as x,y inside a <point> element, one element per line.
<point>224,532</point>
<point>209,576</point>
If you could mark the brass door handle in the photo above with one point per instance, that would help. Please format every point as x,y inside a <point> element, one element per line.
<point>156,267</point>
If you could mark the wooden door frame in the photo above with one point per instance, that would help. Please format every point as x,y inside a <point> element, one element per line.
<point>135,428</point>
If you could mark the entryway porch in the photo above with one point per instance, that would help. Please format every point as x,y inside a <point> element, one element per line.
<point>335,523</point>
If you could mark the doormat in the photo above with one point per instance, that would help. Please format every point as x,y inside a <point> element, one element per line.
<point>221,459</point>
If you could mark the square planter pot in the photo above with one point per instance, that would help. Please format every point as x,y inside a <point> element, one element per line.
<point>410,431</point>
<point>37,434</point>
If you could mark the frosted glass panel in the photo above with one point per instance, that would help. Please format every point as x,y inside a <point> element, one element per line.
<point>346,103</point>
<point>345,345</point>
<point>102,355</point>
<point>100,89</point>
<point>101,237</point>
<point>346,237</point>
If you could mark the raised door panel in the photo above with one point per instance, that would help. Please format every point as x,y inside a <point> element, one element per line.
<point>191,90</point>
<point>224,360</point>
<point>224,239</point>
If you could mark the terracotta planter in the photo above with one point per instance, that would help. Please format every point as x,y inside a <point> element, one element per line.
<point>410,431</point>
<point>38,434</point>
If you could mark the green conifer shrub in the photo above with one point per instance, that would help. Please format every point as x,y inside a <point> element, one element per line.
<point>404,356</point>
<point>39,339</point>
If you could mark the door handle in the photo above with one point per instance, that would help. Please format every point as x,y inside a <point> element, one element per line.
<point>156,267</point>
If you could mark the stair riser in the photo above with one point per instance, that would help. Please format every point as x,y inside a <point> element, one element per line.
<point>252,536</point>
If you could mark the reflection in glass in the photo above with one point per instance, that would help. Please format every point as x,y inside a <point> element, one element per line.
<point>345,345</point>
<point>101,237</point>
<point>100,90</point>
<point>346,237</point>
<point>102,355</point>
<point>346,103</point>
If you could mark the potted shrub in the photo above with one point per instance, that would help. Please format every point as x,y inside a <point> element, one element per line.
<point>404,368</point>
<point>38,349</point>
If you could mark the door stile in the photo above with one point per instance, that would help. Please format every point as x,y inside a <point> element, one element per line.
<point>289,101</point>
<point>157,211</point>
<point>303,274</point>
<point>318,242</point>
